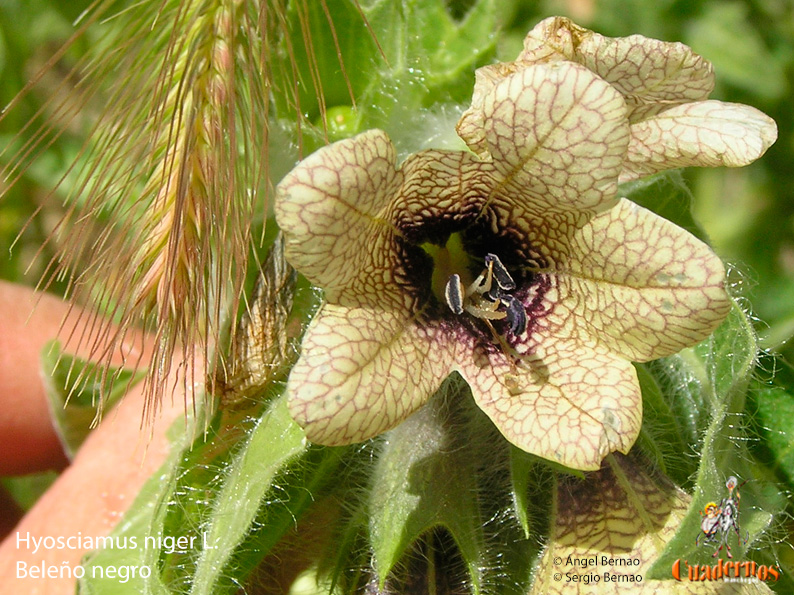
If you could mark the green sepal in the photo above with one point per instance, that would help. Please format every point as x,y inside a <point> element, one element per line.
<point>425,478</point>
<point>270,483</point>
<point>524,469</point>
<point>667,426</point>
<point>717,373</point>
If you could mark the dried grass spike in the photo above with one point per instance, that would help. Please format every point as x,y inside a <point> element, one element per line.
<point>261,352</point>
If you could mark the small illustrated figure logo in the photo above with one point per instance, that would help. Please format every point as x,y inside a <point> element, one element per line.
<point>719,520</point>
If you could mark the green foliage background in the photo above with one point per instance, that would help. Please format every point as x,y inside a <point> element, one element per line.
<point>431,50</point>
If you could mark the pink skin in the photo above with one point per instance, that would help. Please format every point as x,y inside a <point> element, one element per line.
<point>94,491</point>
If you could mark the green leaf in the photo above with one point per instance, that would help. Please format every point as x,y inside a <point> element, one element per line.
<point>275,442</point>
<point>27,489</point>
<point>431,59</point>
<point>252,490</point>
<point>350,554</point>
<point>425,478</point>
<point>74,388</point>
<point>309,47</point>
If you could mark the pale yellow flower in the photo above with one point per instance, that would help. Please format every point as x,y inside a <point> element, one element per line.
<point>601,281</point>
<point>666,88</point>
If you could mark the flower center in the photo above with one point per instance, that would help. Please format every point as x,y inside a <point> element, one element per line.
<point>450,259</point>
<point>488,297</point>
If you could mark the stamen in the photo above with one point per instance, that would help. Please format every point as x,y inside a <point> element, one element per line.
<point>503,278</point>
<point>494,294</point>
<point>481,285</point>
<point>516,315</point>
<point>487,300</point>
<point>486,313</point>
<point>454,294</point>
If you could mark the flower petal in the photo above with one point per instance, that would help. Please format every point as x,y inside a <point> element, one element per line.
<point>650,73</point>
<point>637,284</point>
<point>334,210</point>
<point>706,133</point>
<point>557,135</point>
<point>469,127</point>
<point>623,512</point>
<point>363,371</point>
<point>440,189</point>
<point>576,403</point>
<point>551,40</point>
